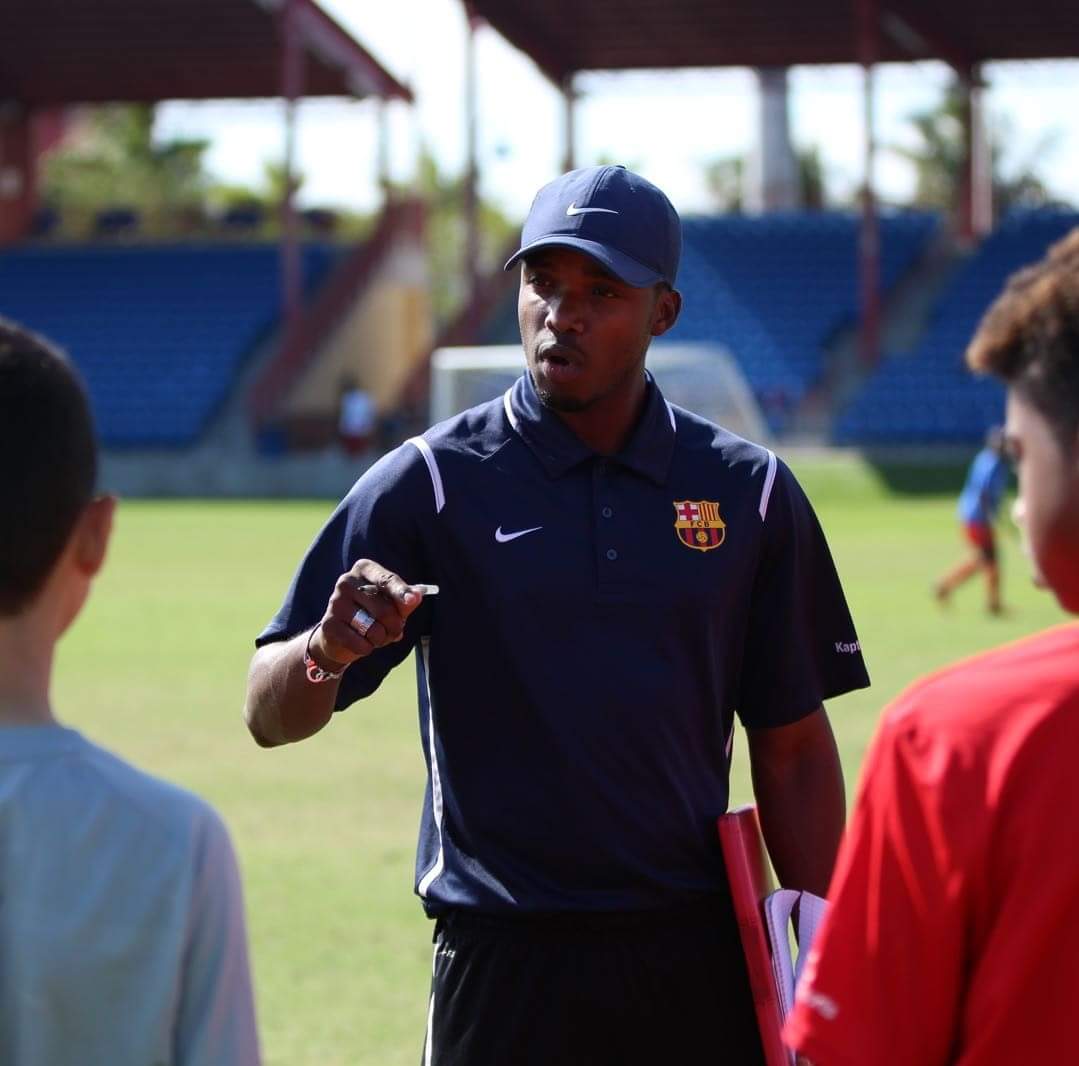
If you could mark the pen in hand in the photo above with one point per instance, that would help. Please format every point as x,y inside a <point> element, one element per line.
<point>423,590</point>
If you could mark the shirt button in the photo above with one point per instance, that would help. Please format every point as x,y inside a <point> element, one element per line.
<point>606,512</point>
<point>612,554</point>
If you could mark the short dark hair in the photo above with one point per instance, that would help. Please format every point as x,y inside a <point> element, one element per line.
<point>48,461</point>
<point>1029,337</point>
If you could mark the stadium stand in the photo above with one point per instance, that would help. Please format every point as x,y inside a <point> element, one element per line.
<point>116,222</point>
<point>775,289</point>
<point>927,396</point>
<point>159,331</point>
<point>712,312</point>
<point>44,222</point>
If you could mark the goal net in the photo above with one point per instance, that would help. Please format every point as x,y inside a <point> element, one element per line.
<point>703,378</point>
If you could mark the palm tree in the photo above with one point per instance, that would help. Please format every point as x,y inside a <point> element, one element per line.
<point>939,158</point>
<point>110,159</point>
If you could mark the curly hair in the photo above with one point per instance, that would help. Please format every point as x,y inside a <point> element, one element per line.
<point>1029,337</point>
<point>48,461</point>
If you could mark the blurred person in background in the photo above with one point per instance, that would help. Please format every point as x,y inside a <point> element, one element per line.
<point>979,502</point>
<point>122,935</point>
<point>357,419</point>
<point>953,933</point>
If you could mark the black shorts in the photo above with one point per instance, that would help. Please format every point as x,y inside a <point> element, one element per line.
<point>628,989</point>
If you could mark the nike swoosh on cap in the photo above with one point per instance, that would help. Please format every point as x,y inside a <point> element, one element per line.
<point>502,538</point>
<point>573,209</point>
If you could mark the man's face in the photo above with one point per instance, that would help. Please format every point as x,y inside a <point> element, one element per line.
<point>585,332</point>
<point>1048,505</point>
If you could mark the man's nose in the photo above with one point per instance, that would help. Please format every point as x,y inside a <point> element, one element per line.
<point>565,314</point>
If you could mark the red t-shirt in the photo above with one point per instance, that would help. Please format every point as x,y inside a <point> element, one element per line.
<point>953,935</point>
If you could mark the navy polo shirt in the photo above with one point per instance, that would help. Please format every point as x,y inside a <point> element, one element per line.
<point>601,621</point>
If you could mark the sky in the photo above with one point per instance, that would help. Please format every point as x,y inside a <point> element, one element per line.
<point>665,124</point>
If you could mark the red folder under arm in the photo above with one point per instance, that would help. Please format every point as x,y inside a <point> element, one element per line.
<point>751,880</point>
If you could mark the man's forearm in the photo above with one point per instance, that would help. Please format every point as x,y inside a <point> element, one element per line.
<point>282,705</point>
<point>802,808</point>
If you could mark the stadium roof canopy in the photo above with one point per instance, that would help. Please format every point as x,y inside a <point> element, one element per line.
<point>565,36</point>
<point>55,52</point>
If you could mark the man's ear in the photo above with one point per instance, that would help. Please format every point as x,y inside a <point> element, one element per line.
<point>91,535</point>
<point>665,314</point>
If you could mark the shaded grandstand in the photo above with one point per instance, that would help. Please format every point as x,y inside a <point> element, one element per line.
<point>773,290</point>
<point>160,332</point>
<point>928,396</point>
<point>776,290</point>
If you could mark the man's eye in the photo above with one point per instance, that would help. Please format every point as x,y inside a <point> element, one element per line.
<point>606,293</point>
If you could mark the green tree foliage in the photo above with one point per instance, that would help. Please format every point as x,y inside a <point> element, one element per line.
<point>447,238</point>
<point>938,159</point>
<point>725,179</point>
<point>112,160</point>
<point>810,177</point>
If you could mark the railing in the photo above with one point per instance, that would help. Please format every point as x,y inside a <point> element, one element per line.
<point>304,337</point>
<point>461,329</point>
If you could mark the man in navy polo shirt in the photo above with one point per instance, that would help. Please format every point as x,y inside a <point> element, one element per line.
<point>618,579</point>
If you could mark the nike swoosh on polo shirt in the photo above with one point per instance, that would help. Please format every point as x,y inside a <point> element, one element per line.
<point>503,538</point>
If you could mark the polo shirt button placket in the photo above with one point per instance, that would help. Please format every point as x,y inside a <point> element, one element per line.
<point>601,476</point>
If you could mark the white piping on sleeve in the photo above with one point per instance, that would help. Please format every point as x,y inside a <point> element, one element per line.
<point>429,1041</point>
<point>670,415</point>
<point>436,778</point>
<point>769,481</point>
<point>432,468</point>
<point>508,405</point>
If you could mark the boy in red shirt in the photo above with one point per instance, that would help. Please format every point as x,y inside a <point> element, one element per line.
<point>953,935</point>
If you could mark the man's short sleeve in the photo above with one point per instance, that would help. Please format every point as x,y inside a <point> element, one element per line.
<point>379,519</point>
<point>216,1017</point>
<point>801,647</point>
<point>884,976</point>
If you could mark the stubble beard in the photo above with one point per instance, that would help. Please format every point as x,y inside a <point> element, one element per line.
<point>554,401</point>
<point>563,404</point>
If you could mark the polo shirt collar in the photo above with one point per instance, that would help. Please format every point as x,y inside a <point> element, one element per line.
<point>648,451</point>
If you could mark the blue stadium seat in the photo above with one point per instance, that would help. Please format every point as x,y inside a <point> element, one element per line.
<point>928,396</point>
<point>116,222</point>
<point>776,289</point>
<point>159,332</point>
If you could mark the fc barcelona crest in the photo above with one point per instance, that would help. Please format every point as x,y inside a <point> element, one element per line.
<point>698,524</point>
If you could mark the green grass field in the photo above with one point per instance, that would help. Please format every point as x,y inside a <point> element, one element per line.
<point>325,830</point>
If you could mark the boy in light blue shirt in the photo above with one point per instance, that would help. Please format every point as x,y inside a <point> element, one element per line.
<point>122,937</point>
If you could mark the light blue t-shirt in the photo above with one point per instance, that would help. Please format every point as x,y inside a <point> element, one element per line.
<point>985,484</point>
<point>122,938</point>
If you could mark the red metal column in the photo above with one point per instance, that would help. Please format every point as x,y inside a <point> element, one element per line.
<point>869,241</point>
<point>471,192</point>
<point>18,178</point>
<point>382,161</point>
<point>292,64</point>
<point>981,163</point>
<point>569,110</point>
<point>964,223</point>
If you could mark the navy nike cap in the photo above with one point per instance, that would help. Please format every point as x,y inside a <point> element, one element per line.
<point>611,214</point>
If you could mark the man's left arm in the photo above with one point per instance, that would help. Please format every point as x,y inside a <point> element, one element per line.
<point>798,784</point>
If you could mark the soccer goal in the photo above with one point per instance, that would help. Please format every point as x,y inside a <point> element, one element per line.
<point>701,377</point>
